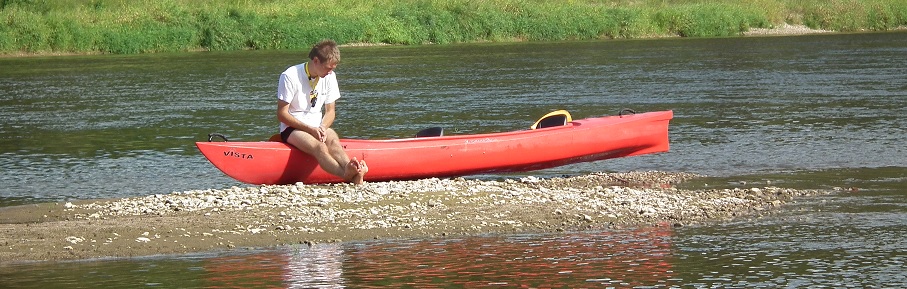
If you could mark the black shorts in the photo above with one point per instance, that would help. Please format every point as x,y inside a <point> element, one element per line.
<point>285,134</point>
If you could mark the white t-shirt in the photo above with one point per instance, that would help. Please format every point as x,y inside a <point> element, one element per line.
<point>295,88</point>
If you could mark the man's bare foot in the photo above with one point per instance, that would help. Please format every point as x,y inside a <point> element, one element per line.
<point>355,171</point>
<point>363,168</point>
<point>351,170</point>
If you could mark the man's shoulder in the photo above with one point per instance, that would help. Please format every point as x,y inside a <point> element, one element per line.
<point>294,70</point>
<point>331,76</point>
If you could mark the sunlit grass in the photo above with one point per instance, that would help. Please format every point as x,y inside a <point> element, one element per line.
<point>129,26</point>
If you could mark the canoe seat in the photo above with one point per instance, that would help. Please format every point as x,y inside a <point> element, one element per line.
<point>552,119</point>
<point>275,137</point>
<point>431,132</point>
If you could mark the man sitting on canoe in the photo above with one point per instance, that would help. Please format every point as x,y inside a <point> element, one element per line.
<point>304,90</point>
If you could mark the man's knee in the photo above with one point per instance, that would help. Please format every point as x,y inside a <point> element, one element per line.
<point>305,142</point>
<point>329,133</point>
<point>331,137</point>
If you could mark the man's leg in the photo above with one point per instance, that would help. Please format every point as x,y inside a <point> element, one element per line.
<point>336,150</point>
<point>355,169</point>
<point>308,144</point>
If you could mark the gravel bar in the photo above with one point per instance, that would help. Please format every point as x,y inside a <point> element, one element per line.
<point>262,216</point>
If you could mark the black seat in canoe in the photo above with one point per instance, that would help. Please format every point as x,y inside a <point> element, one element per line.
<point>430,132</point>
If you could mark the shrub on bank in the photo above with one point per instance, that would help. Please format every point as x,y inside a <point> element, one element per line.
<point>122,26</point>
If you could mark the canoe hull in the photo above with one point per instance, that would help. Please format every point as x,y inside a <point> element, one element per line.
<point>583,140</point>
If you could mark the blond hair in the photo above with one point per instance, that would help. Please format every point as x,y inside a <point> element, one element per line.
<point>326,51</point>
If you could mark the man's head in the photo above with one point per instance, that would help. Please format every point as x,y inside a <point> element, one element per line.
<point>325,56</point>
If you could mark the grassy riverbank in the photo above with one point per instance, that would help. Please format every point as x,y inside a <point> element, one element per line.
<point>124,26</point>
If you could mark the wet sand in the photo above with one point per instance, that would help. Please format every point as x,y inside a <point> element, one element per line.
<point>263,216</point>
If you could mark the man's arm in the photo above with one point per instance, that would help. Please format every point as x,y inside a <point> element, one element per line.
<point>284,116</point>
<point>330,113</point>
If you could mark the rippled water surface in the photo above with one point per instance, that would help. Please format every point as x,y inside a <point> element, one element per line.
<point>805,112</point>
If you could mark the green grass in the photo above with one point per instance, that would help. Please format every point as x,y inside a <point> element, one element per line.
<point>147,26</point>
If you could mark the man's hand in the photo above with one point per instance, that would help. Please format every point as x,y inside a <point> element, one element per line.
<point>319,133</point>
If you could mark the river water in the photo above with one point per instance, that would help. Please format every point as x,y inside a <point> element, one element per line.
<point>817,112</point>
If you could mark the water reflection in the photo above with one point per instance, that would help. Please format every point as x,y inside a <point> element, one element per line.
<point>821,250</point>
<point>319,266</point>
<point>620,259</point>
<point>246,271</point>
<point>624,259</point>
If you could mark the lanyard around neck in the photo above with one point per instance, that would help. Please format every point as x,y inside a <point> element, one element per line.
<point>313,95</point>
<point>313,81</point>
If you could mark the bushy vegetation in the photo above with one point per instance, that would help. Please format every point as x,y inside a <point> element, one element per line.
<point>141,26</point>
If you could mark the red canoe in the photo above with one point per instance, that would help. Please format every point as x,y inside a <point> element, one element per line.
<point>576,141</point>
